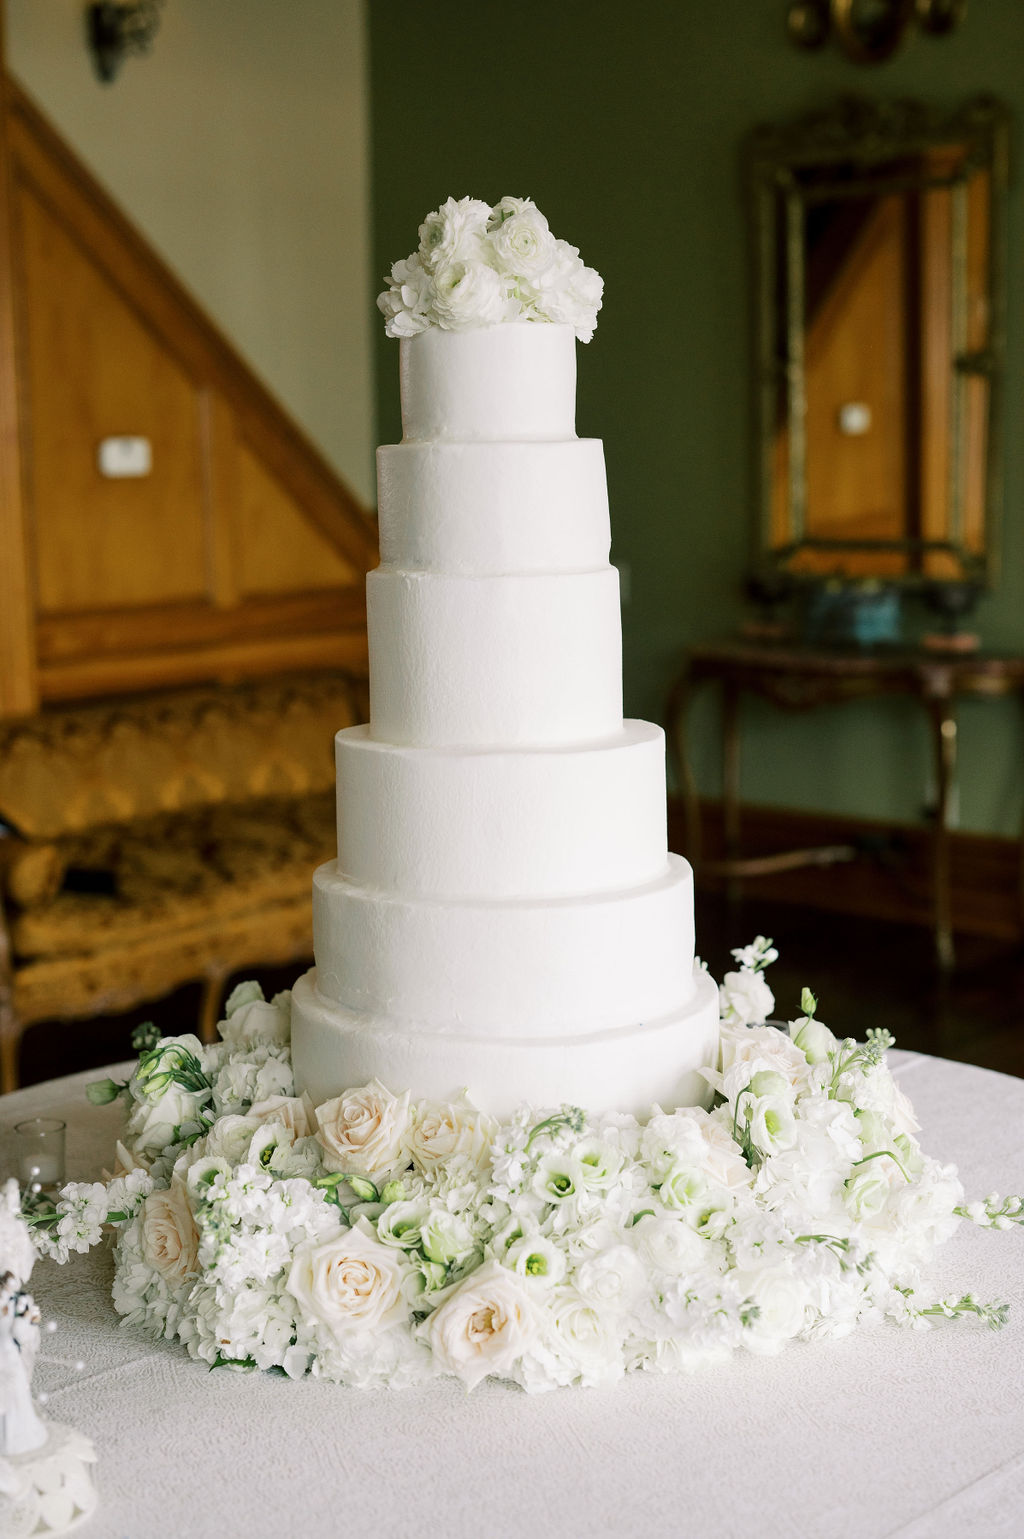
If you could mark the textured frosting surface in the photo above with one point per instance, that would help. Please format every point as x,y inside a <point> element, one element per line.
<point>517,380</point>
<point>544,822</point>
<point>523,967</point>
<point>487,508</point>
<point>627,1069</point>
<point>523,659</point>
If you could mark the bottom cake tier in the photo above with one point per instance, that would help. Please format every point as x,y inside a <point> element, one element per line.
<point>628,1069</point>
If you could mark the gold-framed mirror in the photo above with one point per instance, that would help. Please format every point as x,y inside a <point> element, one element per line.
<point>878,233</point>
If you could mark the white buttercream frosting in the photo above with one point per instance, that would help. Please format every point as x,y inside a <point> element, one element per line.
<point>502,382</point>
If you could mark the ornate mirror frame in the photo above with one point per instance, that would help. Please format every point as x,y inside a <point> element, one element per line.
<point>901,152</point>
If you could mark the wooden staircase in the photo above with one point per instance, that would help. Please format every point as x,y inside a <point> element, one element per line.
<point>240,554</point>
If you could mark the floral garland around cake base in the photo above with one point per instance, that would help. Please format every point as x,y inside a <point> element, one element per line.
<point>376,1241</point>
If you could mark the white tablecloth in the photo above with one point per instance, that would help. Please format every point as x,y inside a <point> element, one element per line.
<point>886,1433</point>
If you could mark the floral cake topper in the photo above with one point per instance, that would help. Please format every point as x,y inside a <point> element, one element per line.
<point>479,266</point>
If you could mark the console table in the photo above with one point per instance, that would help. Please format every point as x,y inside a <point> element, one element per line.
<point>796,677</point>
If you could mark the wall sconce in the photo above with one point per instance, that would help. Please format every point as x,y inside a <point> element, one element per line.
<point>869,31</point>
<point>117,28</point>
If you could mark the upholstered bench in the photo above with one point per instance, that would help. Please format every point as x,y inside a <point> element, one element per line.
<point>157,840</point>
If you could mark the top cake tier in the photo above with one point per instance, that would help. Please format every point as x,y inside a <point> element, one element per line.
<point>516,382</point>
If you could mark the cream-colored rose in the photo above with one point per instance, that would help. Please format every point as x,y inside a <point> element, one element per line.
<point>766,1047</point>
<point>723,1160</point>
<point>294,1112</point>
<point>351,1282</point>
<point>440,1134</point>
<point>484,1325</point>
<point>170,1239</point>
<point>363,1131</point>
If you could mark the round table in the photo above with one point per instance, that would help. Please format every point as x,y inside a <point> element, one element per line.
<point>889,1432</point>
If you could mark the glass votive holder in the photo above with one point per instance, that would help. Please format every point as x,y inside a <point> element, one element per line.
<point>40,1151</point>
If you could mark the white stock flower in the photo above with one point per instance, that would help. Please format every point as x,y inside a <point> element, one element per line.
<point>363,1132</point>
<point>350,1282</point>
<point>484,1326</point>
<point>745,998</point>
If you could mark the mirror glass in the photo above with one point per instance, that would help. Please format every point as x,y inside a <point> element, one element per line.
<point>878,308</point>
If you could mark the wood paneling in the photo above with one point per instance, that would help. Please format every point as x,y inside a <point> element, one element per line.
<point>240,553</point>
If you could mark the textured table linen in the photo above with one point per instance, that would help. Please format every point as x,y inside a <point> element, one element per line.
<point>886,1433</point>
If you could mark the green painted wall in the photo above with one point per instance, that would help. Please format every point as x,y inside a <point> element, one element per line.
<point>623,122</point>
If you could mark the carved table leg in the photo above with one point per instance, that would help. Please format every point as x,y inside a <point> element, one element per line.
<point>731,782</point>
<point>944,743</point>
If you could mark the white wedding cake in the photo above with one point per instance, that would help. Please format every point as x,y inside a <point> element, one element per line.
<point>503,916</point>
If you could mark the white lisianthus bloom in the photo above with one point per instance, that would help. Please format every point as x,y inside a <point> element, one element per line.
<point>468,295</point>
<point>363,1132</point>
<point>442,1134</point>
<point>559,1177</point>
<point>771,1123</point>
<point>745,998</point>
<point>446,1238</point>
<point>170,1239</point>
<point>453,233</point>
<point>350,1282</point>
<point>537,1259</point>
<point>401,1223</point>
<point>600,1162</point>
<point>683,1187</point>
<point>813,1038</point>
<point>866,1193</point>
<point>484,1326</point>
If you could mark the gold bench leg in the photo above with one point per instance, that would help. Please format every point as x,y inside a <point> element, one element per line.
<point>209,1010</point>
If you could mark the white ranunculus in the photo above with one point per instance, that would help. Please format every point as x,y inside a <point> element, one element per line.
<point>230,1137</point>
<point>441,1134</point>
<point>522,243</point>
<point>745,998</point>
<point>484,1325</point>
<point>468,295</point>
<point>781,1300</point>
<point>294,1112</point>
<point>453,233</point>
<point>363,1132</point>
<point>257,1020</point>
<point>587,1334</point>
<point>152,1124</point>
<point>670,1245</point>
<point>613,1280</point>
<point>350,1282</point>
<point>170,1239</point>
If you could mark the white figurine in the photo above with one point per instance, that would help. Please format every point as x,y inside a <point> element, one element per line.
<point>46,1482</point>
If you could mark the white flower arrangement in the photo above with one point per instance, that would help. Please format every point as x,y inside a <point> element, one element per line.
<point>480,266</point>
<point>376,1241</point>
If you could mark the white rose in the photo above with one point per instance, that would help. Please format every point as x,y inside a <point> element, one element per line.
<point>294,1112</point>
<point>763,1047</point>
<point>468,295</point>
<point>257,1020</point>
<point>745,998</point>
<point>350,1282</point>
<point>452,233</point>
<point>363,1132</point>
<point>484,1326</point>
<point>442,1133</point>
<point>170,1239</point>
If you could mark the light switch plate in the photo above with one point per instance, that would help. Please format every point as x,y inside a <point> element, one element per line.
<point>125,456</point>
